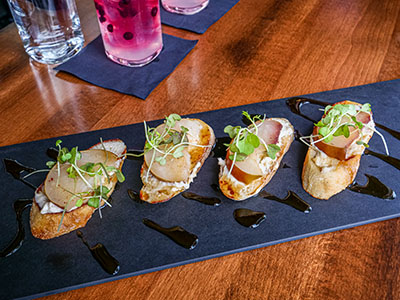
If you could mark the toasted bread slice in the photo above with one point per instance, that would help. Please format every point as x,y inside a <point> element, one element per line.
<point>324,175</point>
<point>45,215</point>
<point>160,187</point>
<point>241,185</point>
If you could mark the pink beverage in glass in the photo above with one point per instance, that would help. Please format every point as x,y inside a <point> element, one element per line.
<point>131,30</point>
<point>184,7</point>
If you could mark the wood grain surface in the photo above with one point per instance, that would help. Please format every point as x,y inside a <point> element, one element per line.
<point>260,50</point>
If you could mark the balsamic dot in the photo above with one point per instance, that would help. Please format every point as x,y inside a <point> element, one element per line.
<point>102,19</point>
<point>96,5</point>
<point>110,28</point>
<point>154,11</point>
<point>128,35</point>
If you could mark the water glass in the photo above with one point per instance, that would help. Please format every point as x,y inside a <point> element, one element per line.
<point>50,30</point>
<point>184,7</point>
<point>131,30</point>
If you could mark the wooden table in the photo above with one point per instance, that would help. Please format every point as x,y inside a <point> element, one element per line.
<point>260,50</point>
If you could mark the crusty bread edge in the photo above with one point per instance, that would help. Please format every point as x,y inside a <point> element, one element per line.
<point>323,185</point>
<point>205,155</point>
<point>45,226</point>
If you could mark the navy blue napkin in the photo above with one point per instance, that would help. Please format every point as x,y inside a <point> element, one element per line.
<point>199,22</point>
<point>92,65</point>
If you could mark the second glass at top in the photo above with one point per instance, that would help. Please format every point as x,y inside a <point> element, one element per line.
<point>184,7</point>
<point>131,30</point>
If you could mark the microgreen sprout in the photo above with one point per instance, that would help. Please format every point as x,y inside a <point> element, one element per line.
<point>341,120</point>
<point>97,192</point>
<point>167,142</point>
<point>246,140</point>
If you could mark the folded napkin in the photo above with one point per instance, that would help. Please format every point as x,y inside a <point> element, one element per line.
<point>92,65</point>
<point>199,22</point>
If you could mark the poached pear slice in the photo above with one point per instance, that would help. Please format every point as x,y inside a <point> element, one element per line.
<point>339,146</point>
<point>249,169</point>
<point>176,169</point>
<point>61,194</point>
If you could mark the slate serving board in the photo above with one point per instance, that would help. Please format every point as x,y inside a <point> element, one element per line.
<point>41,268</point>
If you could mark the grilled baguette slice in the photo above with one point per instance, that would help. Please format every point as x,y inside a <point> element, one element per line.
<point>247,182</point>
<point>164,182</point>
<point>328,173</point>
<point>45,215</point>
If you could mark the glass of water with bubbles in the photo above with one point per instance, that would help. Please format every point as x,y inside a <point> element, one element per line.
<point>50,30</point>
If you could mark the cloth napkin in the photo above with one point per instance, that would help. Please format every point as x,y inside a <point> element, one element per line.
<point>92,65</point>
<point>199,22</point>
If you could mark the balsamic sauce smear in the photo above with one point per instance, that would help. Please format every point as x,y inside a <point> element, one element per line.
<point>296,103</point>
<point>395,162</point>
<point>52,153</point>
<point>177,234</point>
<point>292,199</point>
<point>102,256</point>
<point>219,149</point>
<point>15,169</point>
<point>374,188</point>
<point>16,243</point>
<point>135,196</point>
<point>202,199</point>
<point>248,217</point>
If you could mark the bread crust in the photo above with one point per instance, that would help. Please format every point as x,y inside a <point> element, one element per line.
<point>45,226</point>
<point>324,182</point>
<point>155,190</point>
<point>239,191</point>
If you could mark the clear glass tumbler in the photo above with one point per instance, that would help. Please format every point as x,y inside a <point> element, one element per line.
<point>184,7</point>
<point>131,30</point>
<point>50,30</point>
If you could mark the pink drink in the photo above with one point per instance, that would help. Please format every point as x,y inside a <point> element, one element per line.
<point>185,7</point>
<point>131,30</point>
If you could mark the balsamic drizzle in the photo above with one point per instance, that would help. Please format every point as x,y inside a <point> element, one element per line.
<point>16,243</point>
<point>219,149</point>
<point>395,162</point>
<point>52,153</point>
<point>177,234</point>
<point>286,166</point>
<point>249,218</point>
<point>135,196</point>
<point>296,103</point>
<point>202,199</point>
<point>373,188</point>
<point>102,256</point>
<point>292,199</point>
<point>15,168</point>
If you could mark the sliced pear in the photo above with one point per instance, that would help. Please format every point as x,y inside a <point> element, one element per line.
<point>174,169</point>
<point>338,147</point>
<point>61,194</point>
<point>249,169</point>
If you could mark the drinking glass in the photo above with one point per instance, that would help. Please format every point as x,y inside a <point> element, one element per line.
<point>131,30</point>
<point>50,30</point>
<point>184,7</point>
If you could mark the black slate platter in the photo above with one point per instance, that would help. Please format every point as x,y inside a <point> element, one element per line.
<point>40,268</point>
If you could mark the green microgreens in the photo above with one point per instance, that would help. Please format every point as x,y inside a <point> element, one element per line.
<point>98,192</point>
<point>332,125</point>
<point>169,142</point>
<point>246,140</point>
